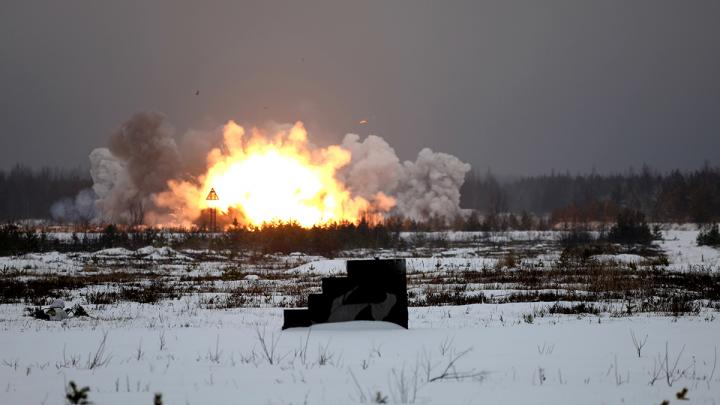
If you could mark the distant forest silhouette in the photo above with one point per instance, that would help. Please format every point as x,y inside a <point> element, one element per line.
<point>676,196</point>
<point>29,193</point>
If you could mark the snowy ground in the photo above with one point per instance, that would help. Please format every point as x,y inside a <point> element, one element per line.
<point>194,351</point>
<point>686,255</point>
<point>202,357</point>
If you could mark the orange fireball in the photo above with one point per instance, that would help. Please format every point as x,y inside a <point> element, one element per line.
<point>266,179</point>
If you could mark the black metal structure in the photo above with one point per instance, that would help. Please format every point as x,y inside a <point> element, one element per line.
<point>374,290</point>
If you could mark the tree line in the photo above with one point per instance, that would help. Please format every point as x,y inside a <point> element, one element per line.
<point>275,237</point>
<point>29,193</point>
<point>676,196</point>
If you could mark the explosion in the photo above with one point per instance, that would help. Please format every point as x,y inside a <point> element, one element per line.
<point>272,179</point>
<point>145,177</point>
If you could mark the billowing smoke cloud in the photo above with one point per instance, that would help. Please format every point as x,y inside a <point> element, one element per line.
<point>146,144</point>
<point>374,171</point>
<point>194,147</point>
<point>105,170</point>
<point>145,152</point>
<point>141,158</point>
<point>428,187</point>
<point>81,209</point>
<point>131,175</point>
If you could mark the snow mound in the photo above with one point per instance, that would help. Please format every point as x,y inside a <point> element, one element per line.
<point>114,252</point>
<point>49,257</point>
<point>621,258</point>
<point>162,253</point>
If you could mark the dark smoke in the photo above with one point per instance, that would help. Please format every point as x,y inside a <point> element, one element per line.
<point>141,158</point>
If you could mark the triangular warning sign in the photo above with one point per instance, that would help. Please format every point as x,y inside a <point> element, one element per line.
<point>212,195</point>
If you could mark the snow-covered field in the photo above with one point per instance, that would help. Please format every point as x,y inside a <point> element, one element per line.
<point>202,357</point>
<point>498,353</point>
<point>474,250</point>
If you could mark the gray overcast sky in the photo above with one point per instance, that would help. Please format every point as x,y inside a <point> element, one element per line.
<point>522,87</point>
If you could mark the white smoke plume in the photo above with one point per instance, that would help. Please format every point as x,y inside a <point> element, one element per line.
<point>81,209</point>
<point>428,187</point>
<point>374,171</point>
<point>105,170</point>
<point>143,156</point>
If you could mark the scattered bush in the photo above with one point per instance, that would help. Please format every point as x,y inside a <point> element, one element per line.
<point>581,308</point>
<point>631,228</point>
<point>36,291</point>
<point>709,236</point>
<point>14,240</point>
<point>576,236</point>
<point>77,396</point>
